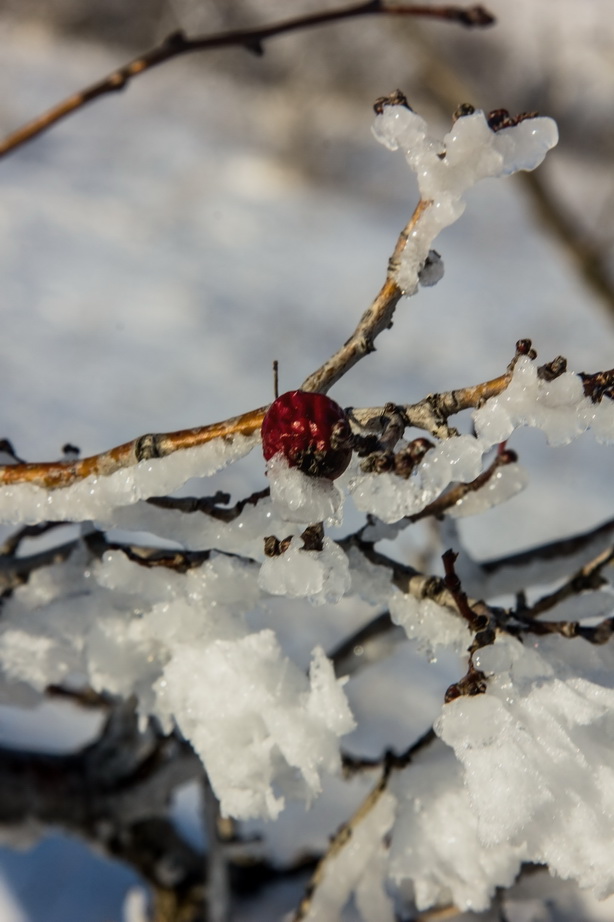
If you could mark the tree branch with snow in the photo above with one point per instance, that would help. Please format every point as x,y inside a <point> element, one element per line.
<point>205,641</point>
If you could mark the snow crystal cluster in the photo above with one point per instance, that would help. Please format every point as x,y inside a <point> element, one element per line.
<point>447,168</point>
<point>227,648</point>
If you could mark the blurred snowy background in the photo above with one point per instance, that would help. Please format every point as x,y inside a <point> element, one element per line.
<point>159,249</point>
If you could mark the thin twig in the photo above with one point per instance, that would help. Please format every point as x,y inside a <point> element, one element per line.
<point>218,877</point>
<point>376,319</point>
<point>54,474</point>
<point>588,578</point>
<point>366,645</point>
<point>588,256</point>
<point>391,762</point>
<point>178,44</point>
<point>552,550</point>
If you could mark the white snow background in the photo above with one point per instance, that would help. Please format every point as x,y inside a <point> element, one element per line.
<point>155,259</point>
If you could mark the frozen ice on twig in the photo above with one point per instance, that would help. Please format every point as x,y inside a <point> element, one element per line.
<point>297,497</point>
<point>320,576</point>
<point>535,755</point>
<point>390,497</point>
<point>505,483</point>
<point>93,497</point>
<point>559,408</point>
<point>447,168</point>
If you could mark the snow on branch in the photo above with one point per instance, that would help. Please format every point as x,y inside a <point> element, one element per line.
<point>213,632</point>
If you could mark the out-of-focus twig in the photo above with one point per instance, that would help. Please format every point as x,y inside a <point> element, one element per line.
<point>552,550</point>
<point>585,252</point>
<point>588,578</point>
<point>178,43</point>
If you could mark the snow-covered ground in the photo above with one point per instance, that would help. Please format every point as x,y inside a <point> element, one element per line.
<point>156,256</point>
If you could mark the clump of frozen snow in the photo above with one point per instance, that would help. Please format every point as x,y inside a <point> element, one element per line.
<point>320,576</point>
<point>94,496</point>
<point>180,642</point>
<point>505,483</point>
<point>435,844</point>
<point>534,756</point>
<point>251,715</point>
<point>298,497</point>
<point>447,168</point>
<point>429,624</point>
<point>559,408</point>
<point>390,497</point>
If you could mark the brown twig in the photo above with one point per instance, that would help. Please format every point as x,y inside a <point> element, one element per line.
<point>210,505</point>
<point>586,254</point>
<point>553,550</point>
<point>451,497</point>
<point>178,44</point>
<point>429,414</point>
<point>390,762</point>
<point>54,474</point>
<point>376,319</point>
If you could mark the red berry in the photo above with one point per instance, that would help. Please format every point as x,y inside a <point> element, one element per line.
<point>311,431</point>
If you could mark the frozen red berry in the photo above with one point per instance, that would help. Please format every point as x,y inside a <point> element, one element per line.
<point>311,431</point>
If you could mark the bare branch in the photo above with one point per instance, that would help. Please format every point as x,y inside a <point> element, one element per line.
<point>588,578</point>
<point>178,44</point>
<point>54,474</point>
<point>553,550</point>
<point>376,319</point>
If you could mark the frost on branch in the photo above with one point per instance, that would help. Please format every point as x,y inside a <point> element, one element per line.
<point>180,642</point>
<point>218,631</point>
<point>535,752</point>
<point>447,168</point>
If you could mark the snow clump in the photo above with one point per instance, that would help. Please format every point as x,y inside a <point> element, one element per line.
<point>447,168</point>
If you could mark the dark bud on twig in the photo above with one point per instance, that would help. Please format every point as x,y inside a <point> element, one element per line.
<point>432,270</point>
<point>525,347</point>
<point>6,448</point>
<point>474,683</point>
<point>175,41</point>
<point>598,385</point>
<point>397,98</point>
<point>499,119</point>
<point>476,16</point>
<point>553,369</point>
<point>406,460</point>
<point>313,537</point>
<point>394,421</point>
<point>378,462</point>
<point>507,456</point>
<point>461,111</point>
<point>366,444</point>
<point>273,547</point>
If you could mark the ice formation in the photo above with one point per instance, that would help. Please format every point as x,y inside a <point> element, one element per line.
<point>535,754</point>
<point>299,498</point>
<point>559,408</point>
<point>447,168</point>
<point>96,495</point>
<point>521,773</point>
<point>320,576</point>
